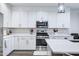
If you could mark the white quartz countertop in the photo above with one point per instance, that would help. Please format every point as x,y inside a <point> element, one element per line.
<point>63,46</point>
<point>61,35</point>
<point>19,34</point>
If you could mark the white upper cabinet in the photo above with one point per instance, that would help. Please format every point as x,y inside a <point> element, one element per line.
<point>63,20</point>
<point>67,20</point>
<point>23,19</point>
<point>32,19</point>
<point>15,18</point>
<point>59,20</point>
<point>42,16</point>
<point>52,21</point>
<point>19,19</point>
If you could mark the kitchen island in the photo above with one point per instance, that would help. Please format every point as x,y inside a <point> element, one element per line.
<point>63,46</point>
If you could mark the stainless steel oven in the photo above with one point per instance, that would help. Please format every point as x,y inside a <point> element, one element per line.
<point>43,24</point>
<point>41,34</point>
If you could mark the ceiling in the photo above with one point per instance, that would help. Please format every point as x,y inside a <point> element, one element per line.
<point>70,5</point>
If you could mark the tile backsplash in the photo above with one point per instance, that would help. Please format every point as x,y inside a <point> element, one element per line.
<point>28,31</point>
<point>22,30</point>
<point>60,31</point>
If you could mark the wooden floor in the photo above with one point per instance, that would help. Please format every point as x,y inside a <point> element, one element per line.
<point>30,53</point>
<point>21,53</point>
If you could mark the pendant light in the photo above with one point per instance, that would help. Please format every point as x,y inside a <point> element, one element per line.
<point>61,8</point>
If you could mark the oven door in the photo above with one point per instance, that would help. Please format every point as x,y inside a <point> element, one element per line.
<point>41,42</point>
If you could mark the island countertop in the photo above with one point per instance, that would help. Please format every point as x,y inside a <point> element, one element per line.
<point>63,46</point>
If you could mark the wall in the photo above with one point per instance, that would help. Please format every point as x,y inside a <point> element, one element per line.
<point>1,23</point>
<point>74,21</point>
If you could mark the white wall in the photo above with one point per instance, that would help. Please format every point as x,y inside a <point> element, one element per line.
<point>74,21</point>
<point>1,22</point>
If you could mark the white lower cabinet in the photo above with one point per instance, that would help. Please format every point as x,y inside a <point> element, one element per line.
<point>7,45</point>
<point>31,43</point>
<point>25,43</point>
<point>18,43</point>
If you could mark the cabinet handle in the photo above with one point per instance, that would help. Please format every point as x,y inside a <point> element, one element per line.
<point>5,44</point>
<point>27,42</point>
<point>18,39</point>
<point>62,25</point>
<point>19,25</point>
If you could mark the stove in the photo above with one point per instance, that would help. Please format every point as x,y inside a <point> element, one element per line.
<point>42,35</point>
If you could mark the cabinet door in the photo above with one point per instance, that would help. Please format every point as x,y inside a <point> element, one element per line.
<point>32,43</point>
<point>16,19</point>
<point>63,20</point>
<point>52,20</point>
<point>12,42</point>
<point>16,43</point>
<point>5,49</point>
<point>32,20</point>
<point>23,19</point>
<point>23,43</point>
<point>67,20</point>
<point>27,43</point>
<point>6,46</point>
<point>60,19</point>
